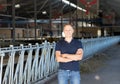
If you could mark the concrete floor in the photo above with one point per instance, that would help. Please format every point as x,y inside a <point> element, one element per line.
<point>108,74</point>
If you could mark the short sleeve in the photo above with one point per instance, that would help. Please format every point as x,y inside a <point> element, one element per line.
<point>80,44</point>
<point>57,47</point>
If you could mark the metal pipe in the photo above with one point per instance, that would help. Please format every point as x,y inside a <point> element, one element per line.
<point>16,17</point>
<point>1,68</point>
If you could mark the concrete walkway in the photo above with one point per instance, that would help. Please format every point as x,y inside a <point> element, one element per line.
<point>108,74</point>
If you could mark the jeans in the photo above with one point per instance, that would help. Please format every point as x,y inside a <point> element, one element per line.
<point>68,77</point>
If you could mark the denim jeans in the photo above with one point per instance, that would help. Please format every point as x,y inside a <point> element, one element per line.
<point>68,77</point>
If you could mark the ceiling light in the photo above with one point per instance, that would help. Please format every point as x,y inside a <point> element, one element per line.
<point>17,6</point>
<point>44,12</point>
<point>73,5</point>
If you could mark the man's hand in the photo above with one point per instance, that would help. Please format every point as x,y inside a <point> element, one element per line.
<point>61,58</point>
<point>74,57</point>
<point>69,57</point>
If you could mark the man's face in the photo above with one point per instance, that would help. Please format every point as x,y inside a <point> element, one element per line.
<point>68,31</point>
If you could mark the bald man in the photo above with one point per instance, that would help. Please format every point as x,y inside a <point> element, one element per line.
<point>69,52</point>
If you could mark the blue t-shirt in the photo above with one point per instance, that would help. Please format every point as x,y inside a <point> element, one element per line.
<point>69,48</point>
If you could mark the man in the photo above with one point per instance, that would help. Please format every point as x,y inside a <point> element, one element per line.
<point>68,53</point>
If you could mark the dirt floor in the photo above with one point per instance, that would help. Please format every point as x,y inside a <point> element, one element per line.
<point>108,73</point>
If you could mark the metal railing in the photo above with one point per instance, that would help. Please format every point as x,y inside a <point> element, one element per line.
<point>94,45</point>
<point>25,64</point>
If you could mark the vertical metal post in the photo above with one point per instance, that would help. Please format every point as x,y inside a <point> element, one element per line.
<point>76,24</point>
<point>13,21</point>
<point>1,68</point>
<point>61,20</point>
<point>50,17</point>
<point>35,17</point>
<point>70,18</point>
<point>76,20</point>
<point>91,17</point>
<point>82,20</point>
<point>98,6</point>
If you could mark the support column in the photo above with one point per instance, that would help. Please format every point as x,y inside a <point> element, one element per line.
<point>13,21</point>
<point>61,20</point>
<point>50,17</point>
<point>76,21</point>
<point>70,18</point>
<point>35,17</point>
